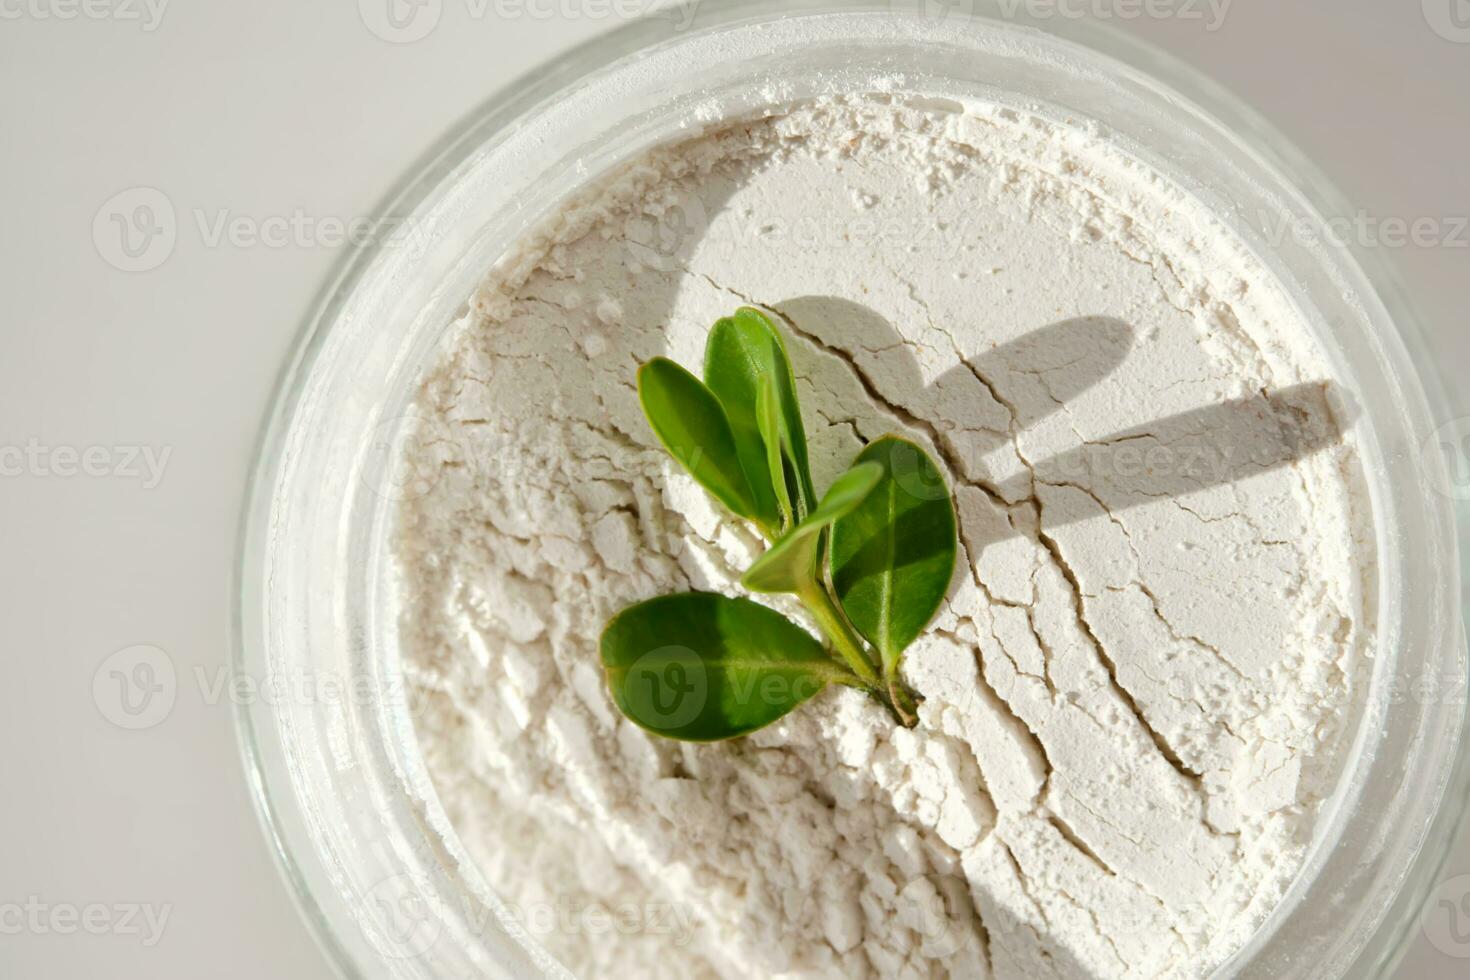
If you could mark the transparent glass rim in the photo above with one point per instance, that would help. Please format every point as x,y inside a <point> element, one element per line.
<point>1379,952</point>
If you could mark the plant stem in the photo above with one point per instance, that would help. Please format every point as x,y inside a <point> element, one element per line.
<point>901,700</point>
<point>846,679</point>
<point>829,617</point>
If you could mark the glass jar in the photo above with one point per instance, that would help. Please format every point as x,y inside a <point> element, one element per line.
<point>343,793</point>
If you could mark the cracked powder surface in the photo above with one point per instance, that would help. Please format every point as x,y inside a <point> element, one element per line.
<point>1136,701</point>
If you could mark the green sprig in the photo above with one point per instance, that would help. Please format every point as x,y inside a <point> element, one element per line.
<point>871,561</point>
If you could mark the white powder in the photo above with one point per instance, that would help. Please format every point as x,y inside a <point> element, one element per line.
<point>1137,696</point>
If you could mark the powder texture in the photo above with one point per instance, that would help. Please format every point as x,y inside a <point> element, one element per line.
<point>1135,700</point>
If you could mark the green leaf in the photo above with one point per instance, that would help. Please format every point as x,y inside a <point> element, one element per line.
<point>790,565</point>
<point>701,667</point>
<point>742,350</point>
<point>689,420</point>
<point>893,557</point>
<point>773,434</point>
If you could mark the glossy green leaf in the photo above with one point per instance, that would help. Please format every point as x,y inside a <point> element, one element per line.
<point>790,565</point>
<point>691,423</point>
<point>742,350</point>
<point>700,667</point>
<point>773,434</point>
<point>892,558</point>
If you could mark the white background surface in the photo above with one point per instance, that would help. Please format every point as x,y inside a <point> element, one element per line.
<point>278,108</point>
